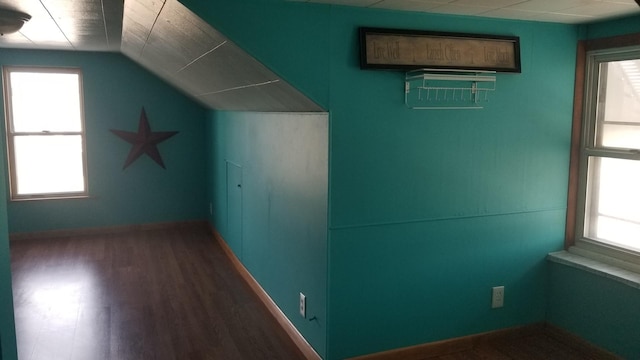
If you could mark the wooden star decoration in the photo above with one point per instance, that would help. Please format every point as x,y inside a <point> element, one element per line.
<point>144,141</point>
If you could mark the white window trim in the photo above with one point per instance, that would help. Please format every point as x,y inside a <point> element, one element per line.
<point>598,250</point>
<point>9,135</point>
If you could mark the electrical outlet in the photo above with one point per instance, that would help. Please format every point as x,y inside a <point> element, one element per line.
<point>303,305</point>
<point>497,297</point>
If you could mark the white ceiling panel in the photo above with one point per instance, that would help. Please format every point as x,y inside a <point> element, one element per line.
<point>544,6</point>
<point>608,9</point>
<point>454,9</point>
<point>406,5</point>
<point>67,24</point>
<point>511,13</point>
<point>558,11</point>
<point>349,2</point>
<point>488,3</point>
<point>563,18</point>
<point>273,97</point>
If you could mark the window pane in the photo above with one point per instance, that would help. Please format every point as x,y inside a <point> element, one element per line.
<point>45,102</point>
<point>618,123</point>
<point>56,158</point>
<point>613,214</point>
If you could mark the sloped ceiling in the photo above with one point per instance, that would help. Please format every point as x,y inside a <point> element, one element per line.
<point>167,39</point>
<point>171,41</point>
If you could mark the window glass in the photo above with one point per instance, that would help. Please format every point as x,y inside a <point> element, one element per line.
<point>57,98</point>
<point>45,132</point>
<point>613,214</point>
<point>618,114</point>
<point>55,159</point>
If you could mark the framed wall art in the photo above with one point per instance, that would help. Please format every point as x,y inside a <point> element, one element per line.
<point>409,50</point>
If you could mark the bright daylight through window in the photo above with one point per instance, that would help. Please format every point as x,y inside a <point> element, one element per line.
<point>45,132</point>
<point>611,151</point>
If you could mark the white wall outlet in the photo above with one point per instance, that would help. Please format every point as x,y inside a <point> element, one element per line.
<point>497,297</point>
<point>303,305</point>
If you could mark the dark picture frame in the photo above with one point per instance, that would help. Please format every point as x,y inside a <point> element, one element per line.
<point>397,49</point>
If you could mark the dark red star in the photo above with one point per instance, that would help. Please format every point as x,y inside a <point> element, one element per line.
<point>144,141</point>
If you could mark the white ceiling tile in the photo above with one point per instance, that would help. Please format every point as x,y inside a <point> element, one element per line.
<point>453,9</point>
<point>226,68</point>
<point>141,12</point>
<point>502,8</point>
<point>408,5</point>
<point>270,97</point>
<point>487,3</point>
<point>602,9</point>
<point>508,13</point>
<point>361,3</point>
<point>550,5</point>
<point>631,2</point>
<point>563,18</point>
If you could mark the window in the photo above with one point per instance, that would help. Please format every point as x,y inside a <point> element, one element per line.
<point>609,190</point>
<point>45,132</point>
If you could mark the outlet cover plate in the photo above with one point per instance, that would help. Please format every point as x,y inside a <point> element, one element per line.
<point>497,297</point>
<point>303,305</point>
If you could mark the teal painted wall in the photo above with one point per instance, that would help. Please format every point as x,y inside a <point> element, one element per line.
<point>281,163</point>
<point>616,27</point>
<point>115,90</point>
<point>428,209</point>
<point>600,310</point>
<point>8,350</point>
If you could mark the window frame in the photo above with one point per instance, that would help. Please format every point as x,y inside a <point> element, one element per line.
<point>590,54</point>
<point>10,134</point>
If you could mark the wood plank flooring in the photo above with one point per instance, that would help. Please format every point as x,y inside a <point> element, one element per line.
<point>539,341</point>
<point>537,346</point>
<point>172,294</point>
<point>154,294</point>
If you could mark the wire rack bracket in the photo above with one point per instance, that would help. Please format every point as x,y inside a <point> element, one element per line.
<point>448,89</point>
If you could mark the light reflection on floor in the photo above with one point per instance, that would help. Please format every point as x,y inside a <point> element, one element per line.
<point>57,312</point>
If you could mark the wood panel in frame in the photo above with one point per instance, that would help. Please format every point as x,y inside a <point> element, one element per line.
<point>396,49</point>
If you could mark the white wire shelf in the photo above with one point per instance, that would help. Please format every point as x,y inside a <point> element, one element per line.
<point>448,89</point>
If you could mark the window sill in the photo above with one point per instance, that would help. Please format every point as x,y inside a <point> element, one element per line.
<point>40,198</point>
<point>600,268</point>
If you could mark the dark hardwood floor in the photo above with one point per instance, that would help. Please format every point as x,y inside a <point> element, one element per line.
<point>540,345</point>
<point>154,294</point>
<point>172,294</point>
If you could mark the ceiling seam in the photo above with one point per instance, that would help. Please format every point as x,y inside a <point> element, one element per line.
<point>57,25</point>
<point>28,38</point>
<point>201,56</point>
<point>146,41</point>
<point>240,87</point>
<point>104,21</point>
